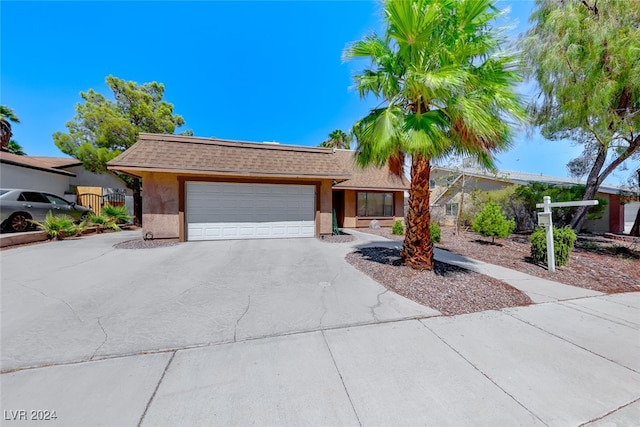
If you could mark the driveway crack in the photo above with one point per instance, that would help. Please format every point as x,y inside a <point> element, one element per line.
<point>106,337</point>
<point>378,304</point>
<point>235,330</point>
<point>55,298</point>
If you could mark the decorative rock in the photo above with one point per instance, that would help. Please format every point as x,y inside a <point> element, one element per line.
<point>374,224</point>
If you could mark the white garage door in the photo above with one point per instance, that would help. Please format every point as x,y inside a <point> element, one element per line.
<point>218,211</point>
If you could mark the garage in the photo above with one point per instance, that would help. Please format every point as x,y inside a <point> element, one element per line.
<point>224,211</point>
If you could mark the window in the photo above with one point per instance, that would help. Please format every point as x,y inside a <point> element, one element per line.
<point>432,183</point>
<point>375,204</point>
<point>55,200</point>
<point>32,196</point>
<point>451,209</point>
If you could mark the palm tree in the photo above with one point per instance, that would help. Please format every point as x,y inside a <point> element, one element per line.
<point>446,88</point>
<point>6,117</point>
<point>337,139</point>
<point>15,148</point>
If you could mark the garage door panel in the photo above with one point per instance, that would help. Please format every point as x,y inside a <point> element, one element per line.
<point>240,211</point>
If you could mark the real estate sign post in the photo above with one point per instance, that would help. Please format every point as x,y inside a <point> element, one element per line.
<point>544,219</point>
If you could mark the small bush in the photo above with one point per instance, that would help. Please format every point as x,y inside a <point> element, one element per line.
<point>436,233</point>
<point>398,228</point>
<point>59,226</point>
<point>102,222</point>
<point>118,213</point>
<point>491,222</point>
<point>563,241</point>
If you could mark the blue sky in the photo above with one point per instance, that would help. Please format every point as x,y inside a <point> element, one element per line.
<point>256,71</point>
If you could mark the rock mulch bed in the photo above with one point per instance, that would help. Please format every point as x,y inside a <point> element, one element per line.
<point>146,244</point>
<point>338,238</point>
<point>449,289</point>
<point>596,263</point>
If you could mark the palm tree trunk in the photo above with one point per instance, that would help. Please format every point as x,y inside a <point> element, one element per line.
<point>417,250</point>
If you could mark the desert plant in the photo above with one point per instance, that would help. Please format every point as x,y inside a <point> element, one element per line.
<point>491,222</point>
<point>436,233</point>
<point>102,222</point>
<point>118,213</point>
<point>58,227</point>
<point>563,240</point>
<point>398,228</point>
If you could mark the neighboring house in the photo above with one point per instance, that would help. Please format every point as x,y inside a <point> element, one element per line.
<point>31,174</point>
<point>82,177</point>
<point>57,175</point>
<point>447,185</point>
<point>211,189</point>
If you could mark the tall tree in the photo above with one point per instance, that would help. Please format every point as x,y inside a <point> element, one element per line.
<point>446,88</point>
<point>102,128</point>
<point>337,139</point>
<point>585,55</point>
<point>7,116</point>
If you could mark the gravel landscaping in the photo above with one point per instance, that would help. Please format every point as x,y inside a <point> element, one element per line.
<point>596,263</point>
<point>146,244</point>
<point>448,289</point>
<point>338,238</point>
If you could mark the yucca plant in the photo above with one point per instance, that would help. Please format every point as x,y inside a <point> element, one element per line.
<point>58,227</point>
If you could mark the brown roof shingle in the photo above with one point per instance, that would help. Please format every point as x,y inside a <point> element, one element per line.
<point>57,162</point>
<point>372,177</point>
<point>32,162</point>
<point>212,156</point>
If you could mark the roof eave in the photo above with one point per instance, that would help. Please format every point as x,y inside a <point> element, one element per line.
<point>132,169</point>
<point>44,169</point>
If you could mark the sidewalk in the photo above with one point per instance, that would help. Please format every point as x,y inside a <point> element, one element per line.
<point>571,360</point>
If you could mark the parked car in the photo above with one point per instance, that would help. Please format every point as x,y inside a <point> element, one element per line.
<point>17,207</point>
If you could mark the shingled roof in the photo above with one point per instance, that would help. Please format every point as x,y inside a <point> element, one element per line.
<point>370,178</point>
<point>32,162</point>
<point>185,154</point>
<point>57,162</point>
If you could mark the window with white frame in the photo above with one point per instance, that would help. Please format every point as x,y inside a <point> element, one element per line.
<point>375,204</point>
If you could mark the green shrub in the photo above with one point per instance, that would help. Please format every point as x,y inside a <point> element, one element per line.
<point>436,234</point>
<point>59,226</point>
<point>398,228</point>
<point>102,222</point>
<point>491,222</point>
<point>118,213</point>
<point>563,241</point>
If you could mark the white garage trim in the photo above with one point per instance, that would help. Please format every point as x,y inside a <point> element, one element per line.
<point>225,211</point>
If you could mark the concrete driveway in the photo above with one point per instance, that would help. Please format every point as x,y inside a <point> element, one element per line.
<point>81,300</point>
<point>287,333</point>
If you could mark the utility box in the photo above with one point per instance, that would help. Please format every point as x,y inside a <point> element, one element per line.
<point>544,219</point>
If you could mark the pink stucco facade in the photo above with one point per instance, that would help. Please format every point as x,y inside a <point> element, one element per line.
<point>160,205</point>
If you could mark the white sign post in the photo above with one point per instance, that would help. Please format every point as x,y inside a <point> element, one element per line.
<point>544,219</point>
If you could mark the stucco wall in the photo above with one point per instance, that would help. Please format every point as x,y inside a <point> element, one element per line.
<point>325,208</point>
<point>349,209</point>
<point>12,176</point>
<point>160,205</point>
